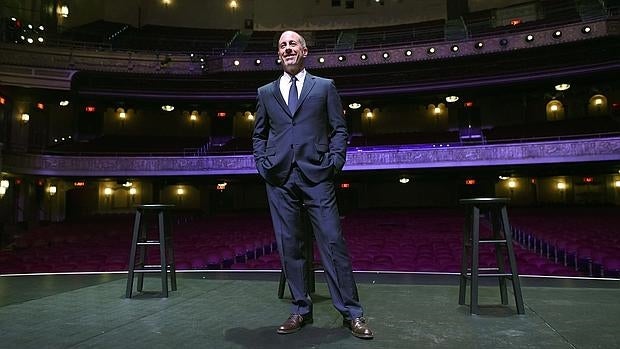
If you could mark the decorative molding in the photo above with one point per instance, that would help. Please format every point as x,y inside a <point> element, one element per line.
<point>385,158</point>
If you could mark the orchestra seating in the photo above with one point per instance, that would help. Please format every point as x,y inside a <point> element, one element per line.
<point>411,240</point>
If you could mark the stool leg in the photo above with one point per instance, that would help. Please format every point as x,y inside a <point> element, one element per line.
<point>132,254</point>
<point>281,285</point>
<point>162,254</point>
<point>475,249</point>
<point>496,224</point>
<point>465,256</point>
<point>516,284</point>
<point>171,260</point>
<point>142,252</point>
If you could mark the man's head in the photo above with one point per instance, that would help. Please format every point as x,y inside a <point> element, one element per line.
<point>292,51</point>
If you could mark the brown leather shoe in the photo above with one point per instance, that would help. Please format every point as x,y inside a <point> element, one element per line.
<point>294,323</point>
<point>359,328</point>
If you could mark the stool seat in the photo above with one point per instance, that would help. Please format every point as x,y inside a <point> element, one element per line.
<point>497,214</point>
<point>140,242</point>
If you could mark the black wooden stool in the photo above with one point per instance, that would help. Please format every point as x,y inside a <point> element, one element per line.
<point>140,242</point>
<point>496,211</point>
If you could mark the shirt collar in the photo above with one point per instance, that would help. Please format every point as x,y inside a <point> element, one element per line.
<point>300,76</point>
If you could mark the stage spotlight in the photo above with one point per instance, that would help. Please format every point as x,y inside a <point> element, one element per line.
<point>479,45</point>
<point>363,57</point>
<point>557,34</point>
<point>529,38</point>
<point>342,58</point>
<point>454,48</point>
<point>431,50</point>
<point>386,55</point>
<point>503,42</point>
<point>586,29</point>
<point>408,53</point>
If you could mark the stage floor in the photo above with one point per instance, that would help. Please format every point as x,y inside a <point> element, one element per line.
<point>241,310</point>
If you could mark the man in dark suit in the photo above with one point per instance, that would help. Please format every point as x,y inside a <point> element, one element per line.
<point>300,141</point>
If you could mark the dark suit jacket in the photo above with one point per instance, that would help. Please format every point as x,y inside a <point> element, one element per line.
<point>314,136</point>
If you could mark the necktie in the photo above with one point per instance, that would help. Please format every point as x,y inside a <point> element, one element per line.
<point>292,96</point>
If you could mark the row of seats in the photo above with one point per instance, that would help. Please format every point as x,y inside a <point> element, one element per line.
<point>584,239</point>
<point>408,240</point>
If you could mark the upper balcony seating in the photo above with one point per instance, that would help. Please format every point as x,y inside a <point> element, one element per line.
<point>153,37</point>
<point>132,144</point>
<point>570,128</point>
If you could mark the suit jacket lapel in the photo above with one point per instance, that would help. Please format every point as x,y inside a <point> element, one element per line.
<point>275,89</point>
<point>306,88</point>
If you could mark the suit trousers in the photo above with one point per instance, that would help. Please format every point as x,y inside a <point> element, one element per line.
<point>285,204</point>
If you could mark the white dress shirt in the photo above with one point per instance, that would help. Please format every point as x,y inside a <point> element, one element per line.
<point>285,83</point>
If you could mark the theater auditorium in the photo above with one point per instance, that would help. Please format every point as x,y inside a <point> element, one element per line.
<point>479,200</point>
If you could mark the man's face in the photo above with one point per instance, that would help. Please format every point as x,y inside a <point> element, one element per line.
<point>291,52</point>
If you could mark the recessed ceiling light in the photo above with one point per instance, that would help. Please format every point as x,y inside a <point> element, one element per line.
<point>355,105</point>
<point>479,45</point>
<point>452,99</point>
<point>431,50</point>
<point>408,53</point>
<point>167,107</point>
<point>63,103</point>
<point>363,57</point>
<point>562,87</point>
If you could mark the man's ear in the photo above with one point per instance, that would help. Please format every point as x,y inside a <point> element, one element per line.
<point>305,52</point>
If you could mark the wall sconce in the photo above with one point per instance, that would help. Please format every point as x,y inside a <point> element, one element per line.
<point>561,186</point>
<point>617,184</point>
<point>107,192</point>
<point>4,185</point>
<point>249,116</point>
<point>63,11</point>
<point>180,191</point>
<point>133,191</point>
<point>193,117</point>
<point>25,117</point>
<point>512,184</point>
<point>52,190</point>
<point>555,110</point>
<point>233,5</point>
<point>121,113</point>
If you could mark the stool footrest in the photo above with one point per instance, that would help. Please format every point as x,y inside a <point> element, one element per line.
<point>150,242</point>
<point>490,274</point>
<point>148,270</point>
<point>495,241</point>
